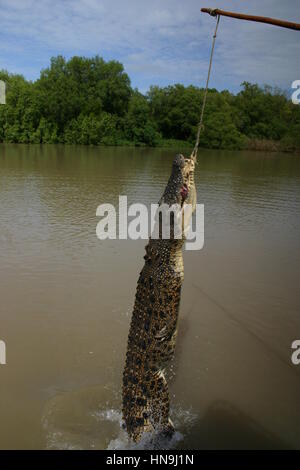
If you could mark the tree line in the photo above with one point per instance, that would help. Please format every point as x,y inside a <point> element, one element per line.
<point>90,101</point>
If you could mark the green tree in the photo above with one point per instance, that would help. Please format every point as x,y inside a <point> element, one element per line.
<point>139,126</point>
<point>82,86</point>
<point>89,101</point>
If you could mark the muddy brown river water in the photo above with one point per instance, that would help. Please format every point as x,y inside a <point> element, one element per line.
<point>66,298</point>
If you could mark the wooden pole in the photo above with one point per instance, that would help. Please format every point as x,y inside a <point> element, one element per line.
<point>259,19</point>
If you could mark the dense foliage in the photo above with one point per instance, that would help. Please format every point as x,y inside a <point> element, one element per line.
<point>90,101</point>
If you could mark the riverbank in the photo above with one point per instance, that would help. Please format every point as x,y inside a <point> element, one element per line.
<point>91,102</point>
<point>255,145</point>
<point>265,145</point>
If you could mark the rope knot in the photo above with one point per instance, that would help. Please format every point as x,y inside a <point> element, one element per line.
<point>213,11</point>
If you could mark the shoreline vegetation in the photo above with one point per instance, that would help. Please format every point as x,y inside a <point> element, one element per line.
<point>89,101</point>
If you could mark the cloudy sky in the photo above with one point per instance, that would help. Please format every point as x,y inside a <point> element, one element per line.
<point>159,41</point>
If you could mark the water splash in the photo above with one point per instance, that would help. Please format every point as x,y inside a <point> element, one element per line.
<point>91,419</point>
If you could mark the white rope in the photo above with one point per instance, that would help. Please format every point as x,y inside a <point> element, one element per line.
<point>200,126</point>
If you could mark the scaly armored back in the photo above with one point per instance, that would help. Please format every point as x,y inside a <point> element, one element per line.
<point>153,328</point>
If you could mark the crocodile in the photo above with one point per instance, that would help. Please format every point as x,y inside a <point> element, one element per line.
<point>153,328</point>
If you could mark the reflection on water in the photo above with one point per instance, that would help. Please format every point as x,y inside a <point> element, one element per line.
<point>66,298</point>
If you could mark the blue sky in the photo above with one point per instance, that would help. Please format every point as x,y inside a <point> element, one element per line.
<point>159,42</point>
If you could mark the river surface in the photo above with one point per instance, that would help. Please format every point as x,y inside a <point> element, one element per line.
<point>66,298</point>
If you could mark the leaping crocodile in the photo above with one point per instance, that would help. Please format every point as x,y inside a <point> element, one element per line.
<point>153,328</point>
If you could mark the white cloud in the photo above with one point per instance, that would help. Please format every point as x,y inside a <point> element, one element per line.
<point>162,41</point>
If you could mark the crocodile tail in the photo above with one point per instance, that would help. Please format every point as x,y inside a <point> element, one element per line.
<point>149,407</point>
<point>135,397</point>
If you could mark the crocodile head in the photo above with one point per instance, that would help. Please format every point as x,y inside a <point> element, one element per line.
<point>180,189</point>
